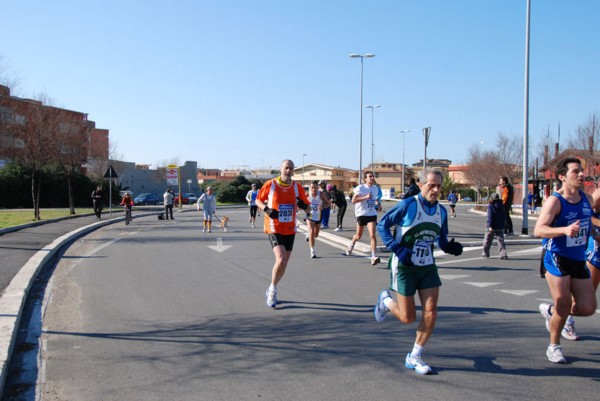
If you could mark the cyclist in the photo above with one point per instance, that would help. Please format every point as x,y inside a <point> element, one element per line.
<point>127,201</point>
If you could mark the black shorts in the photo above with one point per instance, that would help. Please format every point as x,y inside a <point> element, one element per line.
<point>253,210</point>
<point>364,220</point>
<point>287,241</point>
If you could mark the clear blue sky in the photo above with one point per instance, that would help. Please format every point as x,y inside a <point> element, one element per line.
<point>251,82</point>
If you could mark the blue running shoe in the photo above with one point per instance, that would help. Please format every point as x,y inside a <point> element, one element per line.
<point>380,309</point>
<point>417,364</point>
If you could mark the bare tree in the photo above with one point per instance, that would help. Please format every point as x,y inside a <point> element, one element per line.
<point>34,141</point>
<point>73,139</point>
<point>484,168</point>
<point>587,139</point>
<point>510,155</point>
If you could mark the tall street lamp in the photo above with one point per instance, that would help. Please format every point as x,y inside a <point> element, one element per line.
<point>426,132</point>
<point>362,57</point>
<point>404,131</point>
<point>303,155</point>
<point>525,229</point>
<point>372,107</point>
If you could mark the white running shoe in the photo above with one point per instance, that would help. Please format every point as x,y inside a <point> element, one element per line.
<point>271,297</point>
<point>545,311</point>
<point>555,354</point>
<point>204,230</point>
<point>568,332</point>
<point>313,254</point>
<point>375,260</point>
<point>253,226</point>
<point>380,310</point>
<point>338,229</point>
<point>349,250</point>
<point>417,364</point>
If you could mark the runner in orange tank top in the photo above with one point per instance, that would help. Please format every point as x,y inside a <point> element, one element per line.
<point>279,199</point>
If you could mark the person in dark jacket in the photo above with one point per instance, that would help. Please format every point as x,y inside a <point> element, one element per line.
<point>413,189</point>
<point>339,199</point>
<point>494,226</point>
<point>97,201</point>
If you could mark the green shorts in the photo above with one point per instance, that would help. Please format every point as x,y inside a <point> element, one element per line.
<point>406,281</point>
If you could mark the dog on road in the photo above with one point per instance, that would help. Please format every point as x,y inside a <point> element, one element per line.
<point>224,224</point>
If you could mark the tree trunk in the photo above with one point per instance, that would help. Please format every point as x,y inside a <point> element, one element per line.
<point>71,200</point>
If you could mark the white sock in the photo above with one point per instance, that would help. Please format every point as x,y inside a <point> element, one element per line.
<point>570,321</point>
<point>388,302</point>
<point>416,351</point>
<point>373,254</point>
<point>272,287</point>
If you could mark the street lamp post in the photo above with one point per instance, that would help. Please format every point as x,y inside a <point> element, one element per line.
<point>303,155</point>
<point>372,107</point>
<point>525,186</point>
<point>404,131</point>
<point>426,132</point>
<point>362,57</point>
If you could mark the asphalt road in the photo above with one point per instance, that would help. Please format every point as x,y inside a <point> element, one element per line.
<point>159,310</point>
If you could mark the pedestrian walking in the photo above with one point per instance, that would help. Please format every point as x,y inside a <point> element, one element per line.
<point>564,224</point>
<point>494,226</point>
<point>418,222</point>
<point>209,200</point>
<point>279,198</point>
<point>97,195</point>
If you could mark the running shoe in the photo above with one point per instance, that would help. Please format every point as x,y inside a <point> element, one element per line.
<point>555,354</point>
<point>306,237</point>
<point>253,226</point>
<point>324,227</point>
<point>271,297</point>
<point>313,254</point>
<point>204,230</point>
<point>338,229</point>
<point>417,364</point>
<point>380,310</point>
<point>349,250</point>
<point>375,261</point>
<point>568,332</point>
<point>545,311</point>
<point>483,255</point>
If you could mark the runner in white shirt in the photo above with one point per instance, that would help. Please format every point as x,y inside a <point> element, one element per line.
<point>318,202</point>
<point>366,207</point>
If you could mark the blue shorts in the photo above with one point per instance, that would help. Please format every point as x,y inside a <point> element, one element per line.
<point>592,253</point>
<point>561,266</point>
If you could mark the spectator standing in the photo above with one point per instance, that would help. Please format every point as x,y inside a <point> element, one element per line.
<point>168,198</point>
<point>97,201</point>
<point>508,194</point>
<point>342,205</point>
<point>494,226</point>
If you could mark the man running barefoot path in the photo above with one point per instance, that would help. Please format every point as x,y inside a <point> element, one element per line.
<point>565,224</point>
<point>419,221</point>
<point>279,198</point>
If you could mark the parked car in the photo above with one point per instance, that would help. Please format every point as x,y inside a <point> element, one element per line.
<point>467,199</point>
<point>186,198</point>
<point>147,198</point>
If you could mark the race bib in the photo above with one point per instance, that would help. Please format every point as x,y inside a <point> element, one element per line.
<point>581,237</point>
<point>286,213</point>
<point>422,253</point>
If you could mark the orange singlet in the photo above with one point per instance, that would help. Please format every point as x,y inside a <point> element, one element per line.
<point>282,197</point>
